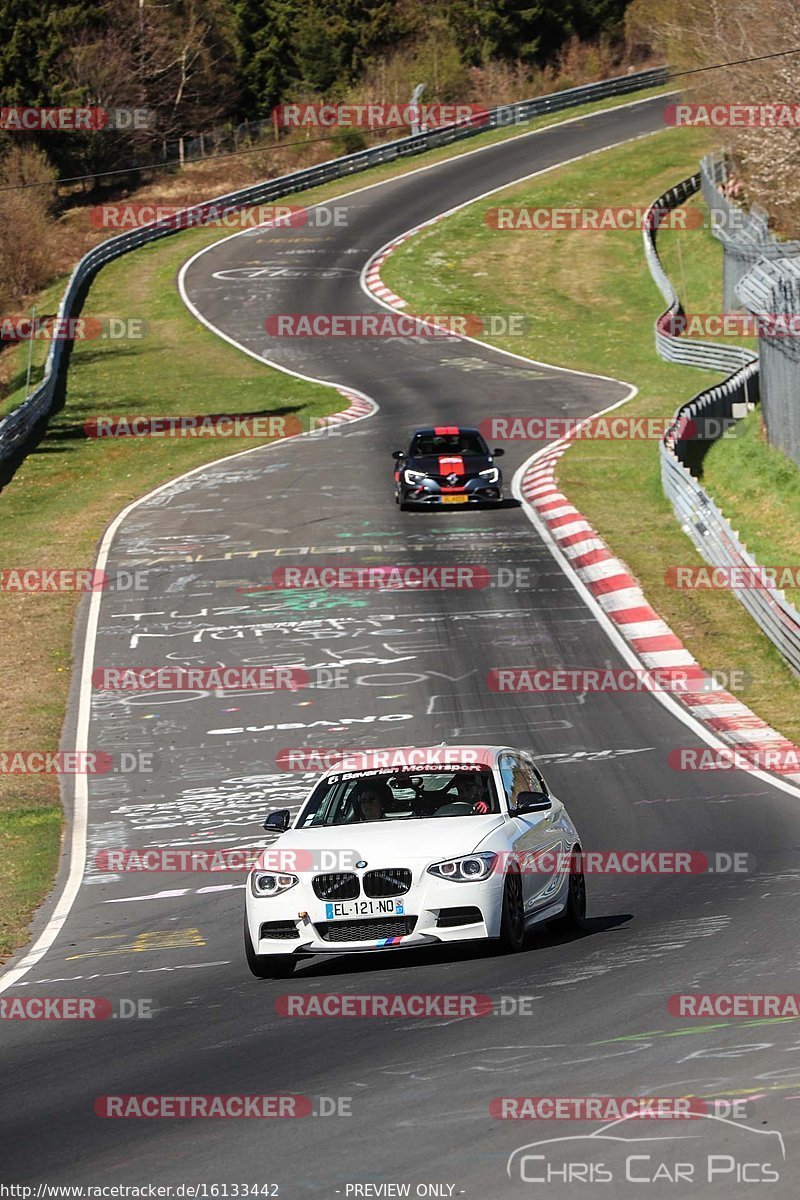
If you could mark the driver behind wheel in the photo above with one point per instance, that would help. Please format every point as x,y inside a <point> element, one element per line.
<point>471,791</point>
<point>372,799</point>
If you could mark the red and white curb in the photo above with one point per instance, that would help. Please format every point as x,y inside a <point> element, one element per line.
<point>378,287</point>
<point>359,406</point>
<point>372,274</point>
<point>614,588</point>
<point>621,598</point>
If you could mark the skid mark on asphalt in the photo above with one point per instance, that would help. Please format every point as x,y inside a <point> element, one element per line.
<point>504,1060</point>
<point>723,798</point>
<point>676,935</point>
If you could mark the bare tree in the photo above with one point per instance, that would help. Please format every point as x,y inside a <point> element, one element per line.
<point>26,199</point>
<point>704,33</point>
<point>174,61</point>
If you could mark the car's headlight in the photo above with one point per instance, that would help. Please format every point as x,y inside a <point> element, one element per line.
<point>268,883</point>
<point>468,869</point>
<point>414,476</point>
<point>491,474</point>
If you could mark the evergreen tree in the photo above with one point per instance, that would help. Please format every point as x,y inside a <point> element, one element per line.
<point>266,57</point>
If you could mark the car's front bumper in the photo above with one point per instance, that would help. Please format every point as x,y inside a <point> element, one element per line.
<point>429,493</point>
<point>426,906</point>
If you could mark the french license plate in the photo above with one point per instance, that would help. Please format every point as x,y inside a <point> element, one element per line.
<point>455,499</point>
<point>363,908</point>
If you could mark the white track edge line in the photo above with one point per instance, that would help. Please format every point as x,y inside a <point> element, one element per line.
<point>80,807</point>
<point>79,824</point>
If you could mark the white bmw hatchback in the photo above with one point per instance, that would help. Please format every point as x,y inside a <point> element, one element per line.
<point>414,847</point>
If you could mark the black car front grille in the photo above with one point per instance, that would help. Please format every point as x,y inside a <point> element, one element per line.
<point>336,885</point>
<point>389,881</point>
<point>371,929</point>
<point>279,929</point>
<point>451,918</point>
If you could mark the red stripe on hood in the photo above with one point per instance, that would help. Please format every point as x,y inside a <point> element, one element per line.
<point>454,465</point>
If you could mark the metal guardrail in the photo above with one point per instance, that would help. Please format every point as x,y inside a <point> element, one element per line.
<point>697,513</point>
<point>17,426</point>
<point>686,351</point>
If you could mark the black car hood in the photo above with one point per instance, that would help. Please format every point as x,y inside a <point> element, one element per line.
<point>448,464</point>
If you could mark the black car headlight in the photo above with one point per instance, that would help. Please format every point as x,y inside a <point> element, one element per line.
<point>491,474</point>
<point>268,883</point>
<point>472,868</point>
<point>414,476</point>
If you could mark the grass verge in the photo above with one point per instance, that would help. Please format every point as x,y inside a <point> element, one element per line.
<point>57,505</point>
<point>758,489</point>
<point>591,305</point>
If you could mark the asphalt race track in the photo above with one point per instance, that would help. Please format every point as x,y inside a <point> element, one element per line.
<point>595,1020</point>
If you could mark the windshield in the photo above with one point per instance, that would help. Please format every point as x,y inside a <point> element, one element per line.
<point>449,443</point>
<point>356,797</point>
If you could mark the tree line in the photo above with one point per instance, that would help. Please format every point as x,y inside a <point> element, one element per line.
<point>194,64</point>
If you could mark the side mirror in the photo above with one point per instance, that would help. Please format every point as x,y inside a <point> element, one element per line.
<point>498,453</point>
<point>528,802</point>
<point>398,454</point>
<point>278,820</point>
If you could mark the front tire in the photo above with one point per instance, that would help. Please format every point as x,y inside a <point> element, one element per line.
<point>573,918</point>
<point>266,966</point>
<point>512,920</point>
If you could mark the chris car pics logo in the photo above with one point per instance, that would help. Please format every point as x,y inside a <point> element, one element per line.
<point>707,1150</point>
